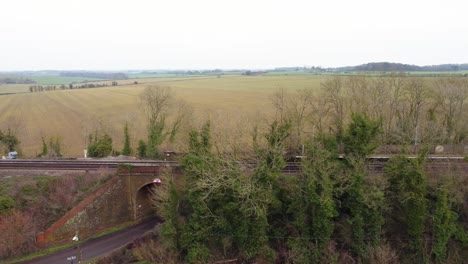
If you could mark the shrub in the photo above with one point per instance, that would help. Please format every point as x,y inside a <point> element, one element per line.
<point>406,195</point>
<point>142,149</point>
<point>17,234</point>
<point>127,150</point>
<point>100,147</point>
<point>6,203</point>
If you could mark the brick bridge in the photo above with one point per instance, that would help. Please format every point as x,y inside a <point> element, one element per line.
<point>126,197</point>
<point>140,181</point>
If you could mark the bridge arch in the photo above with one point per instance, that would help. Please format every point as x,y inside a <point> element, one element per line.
<point>143,206</point>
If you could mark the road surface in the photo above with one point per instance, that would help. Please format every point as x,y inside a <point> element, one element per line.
<point>99,246</point>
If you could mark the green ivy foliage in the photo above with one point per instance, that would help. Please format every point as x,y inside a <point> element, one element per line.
<point>406,195</point>
<point>142,148</point>
<point>127,150</point>
<point>444,224</point>
<point>223,211</point>
<point>155,138</point>
<point>99,146</point>
<point>313,206</point>
<point>360,137</point>
<point>362,203</point>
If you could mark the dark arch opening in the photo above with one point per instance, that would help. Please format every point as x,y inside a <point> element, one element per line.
<point>143,204</point>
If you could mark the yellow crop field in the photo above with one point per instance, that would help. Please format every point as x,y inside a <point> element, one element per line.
<point>14,88</point>
<point>74,114</point>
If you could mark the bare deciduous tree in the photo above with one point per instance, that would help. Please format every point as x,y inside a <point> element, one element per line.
<point>17,234</point>
<point>295,109</point>
<point>156,102</point>
<point>183,113</point>
<point>395,85</point>
<point>450,94</point>
<point>280,100</point>
<point>416,95</point>
<point>358,89</point>
<point>301,112</point>
<point>320,113</point>
<point>333,90</point>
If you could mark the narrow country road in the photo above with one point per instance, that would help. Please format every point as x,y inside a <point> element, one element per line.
<point>99,246</point>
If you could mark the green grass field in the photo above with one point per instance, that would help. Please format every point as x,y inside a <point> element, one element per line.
<point>229,101</point>
<point>446,73</point>
<point>154,75</point>
<point>58,80</point>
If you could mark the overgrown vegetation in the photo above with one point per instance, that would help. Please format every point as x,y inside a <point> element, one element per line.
<point>9,139</point>
<point>127,150</point>
<point>51,147</point>
<point>100,145</point>
<point>159,103</point>
<point>30,204</point>
<point>331,212</point>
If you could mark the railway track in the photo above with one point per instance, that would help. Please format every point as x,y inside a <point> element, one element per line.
<point>374,164</point>
<point>89,164</point>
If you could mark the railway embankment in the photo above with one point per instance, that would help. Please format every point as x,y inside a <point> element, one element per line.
<point>103,209</point>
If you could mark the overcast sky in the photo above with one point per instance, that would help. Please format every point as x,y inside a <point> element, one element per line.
<point>207,34</point>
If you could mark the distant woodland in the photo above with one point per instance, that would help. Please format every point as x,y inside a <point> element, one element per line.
<point>399,67</point>
<point>15,80</point>
<point>96,75</point>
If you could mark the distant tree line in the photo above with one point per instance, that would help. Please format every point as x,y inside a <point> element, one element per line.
<point>410,110</point>
<point>15,80</point>
<point>40,88</point>
<point>190,72</point>
<point>91,85</point>
<point>97,75</point>
<point>399,67</point>
<point>253,73</point>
